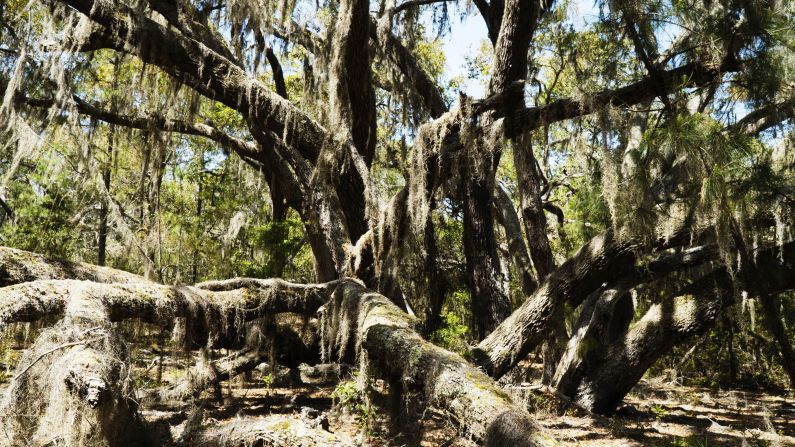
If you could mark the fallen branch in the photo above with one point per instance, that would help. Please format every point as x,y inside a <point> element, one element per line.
<point>270,431</point>
<point>18,266</point>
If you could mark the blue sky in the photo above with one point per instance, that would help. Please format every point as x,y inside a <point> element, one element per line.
<point>465,38</point>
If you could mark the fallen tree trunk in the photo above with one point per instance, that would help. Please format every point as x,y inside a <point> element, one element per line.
<point>209,316</point>
<point>602,258</point>
<point>18,266</point>
<point>270,431</point>
<point>357,321</point>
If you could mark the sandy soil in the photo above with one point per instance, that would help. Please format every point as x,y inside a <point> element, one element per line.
<point>655,414</point>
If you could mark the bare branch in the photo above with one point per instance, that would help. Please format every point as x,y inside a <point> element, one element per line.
<point>414,4</point>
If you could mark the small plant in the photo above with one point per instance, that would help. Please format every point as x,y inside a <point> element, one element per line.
<point>453,334</point>
<point>692,441</point>
<point>659,411</point>
<point>8,362</point>
<point>347,397</point>
<point>267,380</point>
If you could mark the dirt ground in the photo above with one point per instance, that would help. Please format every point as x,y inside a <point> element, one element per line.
<point>655,414</point>
<point>663,415</point>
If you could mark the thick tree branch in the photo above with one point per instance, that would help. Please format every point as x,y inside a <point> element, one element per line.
<point>484,413</point>
<point>422,84</point>
<point>154,303</point>
<point>410,4</point>
<point>18,266</point>
<point>208,72</point>
<point>761,119</point>
<point>177,16</point>
<point>692,74</point>
<point>681,316</point>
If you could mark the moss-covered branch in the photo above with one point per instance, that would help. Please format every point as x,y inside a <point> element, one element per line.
<point>357,320</point>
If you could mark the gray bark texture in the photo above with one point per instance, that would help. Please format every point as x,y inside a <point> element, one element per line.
<point>385,336</point>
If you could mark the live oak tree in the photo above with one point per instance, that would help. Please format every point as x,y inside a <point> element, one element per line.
<point>602,199</point>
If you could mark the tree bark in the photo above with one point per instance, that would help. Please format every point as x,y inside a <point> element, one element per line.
<point>71,387</point>
<point>607,312</point>
<point>434,279</point>
<point>490,302</point>
<point>102,239</point>
<point>217,316</point>
<point>483,412</point>
<point>18,266</point>
<point>270,431</point>
<point>773,318</point>
<point>506,215</point>
<point>602,258</point>
<point>676,319</point>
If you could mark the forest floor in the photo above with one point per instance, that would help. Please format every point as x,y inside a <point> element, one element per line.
<point>656,413</point>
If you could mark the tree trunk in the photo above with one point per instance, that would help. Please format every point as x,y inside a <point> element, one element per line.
<point>756,281</point>
<point>353,114</point>
<point>72,387</point>
<point>279,208</point>
<point>490,303</point>
<point>676,319</point>
<point>435,281</point>
<point>506,215</point>
<point>612,374</point>
<point>535,221</point>
<point>592,332</point>
<point>602,258</point>
<point>773,319</point>
<point>102,239</point>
